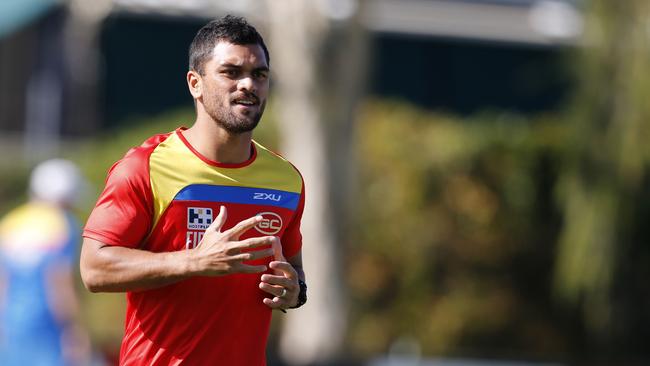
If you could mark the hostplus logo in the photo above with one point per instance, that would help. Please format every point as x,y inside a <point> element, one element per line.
<point>198,219</point>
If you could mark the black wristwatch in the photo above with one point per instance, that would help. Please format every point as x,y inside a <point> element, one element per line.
<point>302,295</point>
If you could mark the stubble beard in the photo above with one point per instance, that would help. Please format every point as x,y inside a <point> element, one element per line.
<point>232,121</point>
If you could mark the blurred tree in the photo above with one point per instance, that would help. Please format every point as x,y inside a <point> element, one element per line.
<point>604,182</point>
<point>320,50</point>
<point>455,234</point>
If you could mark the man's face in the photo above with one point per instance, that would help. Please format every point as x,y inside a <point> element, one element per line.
<point>235,86</point>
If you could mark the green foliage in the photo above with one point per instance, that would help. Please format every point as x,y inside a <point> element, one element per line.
<point>457,232</point>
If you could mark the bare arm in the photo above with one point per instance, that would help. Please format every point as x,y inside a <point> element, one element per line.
<point>107,268</point>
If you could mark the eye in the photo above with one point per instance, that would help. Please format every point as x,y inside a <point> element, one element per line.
<point>260,74</point>
<point>230,72</point>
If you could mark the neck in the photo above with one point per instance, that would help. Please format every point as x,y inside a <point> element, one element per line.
<point>217,144</point>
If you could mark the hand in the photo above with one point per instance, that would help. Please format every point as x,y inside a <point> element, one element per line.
<point>220,253</point>
<point>283,284</point>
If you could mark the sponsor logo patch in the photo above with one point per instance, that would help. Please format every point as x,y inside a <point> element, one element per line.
<point>271,225</point>
<point>199,218</point>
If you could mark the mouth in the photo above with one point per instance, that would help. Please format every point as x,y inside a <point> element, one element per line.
<point>246,101</point>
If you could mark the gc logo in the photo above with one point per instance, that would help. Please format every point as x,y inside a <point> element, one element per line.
<point>271,223</point>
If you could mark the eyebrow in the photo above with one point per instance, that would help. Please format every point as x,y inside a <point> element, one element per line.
<point>234,66</point>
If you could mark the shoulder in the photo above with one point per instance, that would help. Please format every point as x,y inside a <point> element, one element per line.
<point>278,163</point>
<point>136,159</point>
<point>144,150</point>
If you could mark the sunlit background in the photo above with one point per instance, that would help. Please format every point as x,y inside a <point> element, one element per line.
<point>476,170</point>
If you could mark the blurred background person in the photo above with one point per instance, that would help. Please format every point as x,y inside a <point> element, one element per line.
<point>38,244</point>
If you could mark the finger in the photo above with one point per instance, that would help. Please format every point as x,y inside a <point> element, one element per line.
<point>251,256</point>
<point>252,243</point>
<point>242,226</point>
<point>218,222</point>
<point>275,303</point>
<point>285,268</point>
<point>277,246</point>
<point>276,291</point>
<point>279,280</point>
<point>245,268</point>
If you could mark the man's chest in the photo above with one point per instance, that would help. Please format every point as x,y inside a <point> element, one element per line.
<point>195,207</point>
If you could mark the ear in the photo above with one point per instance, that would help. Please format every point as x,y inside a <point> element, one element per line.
<point>195,84</point>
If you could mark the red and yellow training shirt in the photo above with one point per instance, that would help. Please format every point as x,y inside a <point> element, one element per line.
<point>161,197</point>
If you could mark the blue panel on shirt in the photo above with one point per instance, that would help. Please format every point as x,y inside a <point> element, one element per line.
<point>245,195</point>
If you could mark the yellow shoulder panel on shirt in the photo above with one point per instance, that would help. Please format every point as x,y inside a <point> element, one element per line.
<point>173,166</point>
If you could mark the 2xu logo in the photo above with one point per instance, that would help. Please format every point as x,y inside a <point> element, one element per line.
<point>267,196</point>
<point>271,223</point>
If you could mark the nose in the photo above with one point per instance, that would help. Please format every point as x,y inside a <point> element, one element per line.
<point>246,84</point>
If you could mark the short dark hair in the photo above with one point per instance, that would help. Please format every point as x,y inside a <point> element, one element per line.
<point>230,28</point>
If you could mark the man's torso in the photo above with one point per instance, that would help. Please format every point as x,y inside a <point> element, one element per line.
<point>215,320</point>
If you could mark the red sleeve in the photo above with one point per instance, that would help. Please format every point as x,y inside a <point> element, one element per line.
<point>123,214</point>
<point>292,238</point>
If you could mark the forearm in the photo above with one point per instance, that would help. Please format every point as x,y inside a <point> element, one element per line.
<point>106,268</point>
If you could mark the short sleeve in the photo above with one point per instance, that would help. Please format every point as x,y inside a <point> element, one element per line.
<point>292,237</point>
<point>123,213</point>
